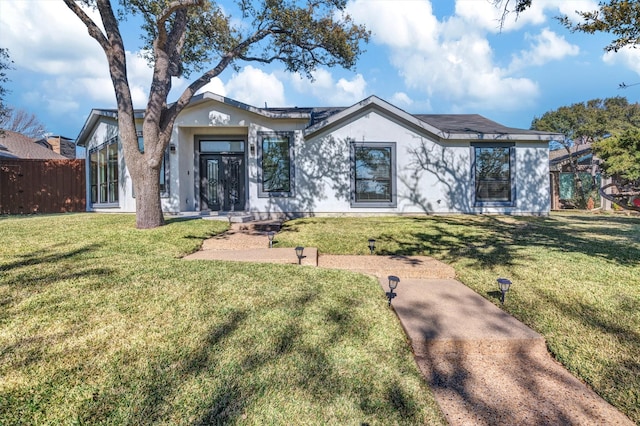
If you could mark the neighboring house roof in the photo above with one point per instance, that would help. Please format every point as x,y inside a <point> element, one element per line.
<point>443,126</point>
<point>560,157</point>
<point>16,145</point>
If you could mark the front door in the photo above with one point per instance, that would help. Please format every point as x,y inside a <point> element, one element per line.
<point>222,186</point>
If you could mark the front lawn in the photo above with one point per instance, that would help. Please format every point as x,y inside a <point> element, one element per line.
<point>101,323</point>
<point>576,278</point>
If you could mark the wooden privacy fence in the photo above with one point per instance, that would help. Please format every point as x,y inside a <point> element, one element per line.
<point>42,186</point>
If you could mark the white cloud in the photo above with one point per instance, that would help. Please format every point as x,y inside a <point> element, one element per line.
<point>214,86</point>
<point>400,23</point>
<point>483,14</point>
<point>72,66</point>
<point>255,87</point>
<point>331,92</point>
<point>401,99</point>
<point>47,37</point>
<point>451,59</point>
<point>627,57</point>
<point>545,47</point>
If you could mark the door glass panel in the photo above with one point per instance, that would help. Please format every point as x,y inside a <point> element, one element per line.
<point>233,182</point>
<point>212,181</point>
<point>221,146</point>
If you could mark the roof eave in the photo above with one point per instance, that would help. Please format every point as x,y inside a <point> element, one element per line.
<point>369,103</point>
<point>442,135</point>
<point>207,96</point>
<point>90,123</point>
<point>492,137</point>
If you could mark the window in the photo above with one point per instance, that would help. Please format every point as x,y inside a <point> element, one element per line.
<point>164,169</point>
<point>103,173</point>
<point>373,183</point>
<point>275,165</point>
<point>493,172</point>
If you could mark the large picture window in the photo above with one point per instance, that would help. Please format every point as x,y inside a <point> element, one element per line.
<point>493,175</point>
<point>373,182</point>
<point>275,152</point>
<point>103,173</point>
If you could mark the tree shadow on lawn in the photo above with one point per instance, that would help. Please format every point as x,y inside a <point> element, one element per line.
<point>40,257</point>
<point>252,372</point>
<point>33,271</point>
<point>619,381</point>
<point>498,241</point>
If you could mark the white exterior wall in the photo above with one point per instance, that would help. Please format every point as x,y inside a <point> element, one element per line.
<point>432,176</point>
<point>224,122</point>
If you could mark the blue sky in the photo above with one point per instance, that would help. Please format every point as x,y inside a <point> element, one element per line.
<point>431,57</point>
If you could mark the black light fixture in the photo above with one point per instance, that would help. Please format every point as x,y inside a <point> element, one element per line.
<point>372,245</point>
<point>393,283</point>
<point>504,285</point>
<point>299,251</point>
<point>271,234</point>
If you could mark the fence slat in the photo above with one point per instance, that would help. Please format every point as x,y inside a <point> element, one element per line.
<point>42,186</point>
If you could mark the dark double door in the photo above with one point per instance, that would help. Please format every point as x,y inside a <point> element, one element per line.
<point>222,182</point>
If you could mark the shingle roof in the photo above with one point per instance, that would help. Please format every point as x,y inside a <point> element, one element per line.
<point>559,155</point>
<point>16,145</point>
<point>449,123</point>
<point>445,126</point>
<point>471,123</point>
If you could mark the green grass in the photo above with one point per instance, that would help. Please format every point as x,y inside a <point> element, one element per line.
<point>101,323</point>
<point>576,278</point>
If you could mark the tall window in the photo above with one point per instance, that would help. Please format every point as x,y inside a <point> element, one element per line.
<point>275,165</point>
<point>103,173</point>
<point>373,183</point>
<point>494,174</point>
<point>164,185</point>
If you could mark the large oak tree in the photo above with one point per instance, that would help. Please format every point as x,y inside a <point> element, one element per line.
<point>185,36</point>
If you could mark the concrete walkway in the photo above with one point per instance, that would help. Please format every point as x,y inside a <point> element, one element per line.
<point>484,366</point>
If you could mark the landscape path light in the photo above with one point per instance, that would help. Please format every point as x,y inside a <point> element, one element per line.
<point>372,245</point>
<point>393,283</point>
<point>504,285</point>
<point>299,251</point>
<point>271,234</point>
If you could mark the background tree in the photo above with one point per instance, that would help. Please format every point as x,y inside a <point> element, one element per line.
<point>185,36</point>
<point>23,122</point>
<point>5,64</point>
<point>611,125</point>
<point>621,156</point>
<point>621,18</point>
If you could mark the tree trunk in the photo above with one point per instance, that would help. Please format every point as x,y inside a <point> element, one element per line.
<point>147,192</point>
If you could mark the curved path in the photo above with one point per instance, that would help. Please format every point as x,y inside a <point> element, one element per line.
<point>484,366</point>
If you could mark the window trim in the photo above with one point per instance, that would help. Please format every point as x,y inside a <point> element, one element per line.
<point>104,185</point>
<point>274,194</point>
<point>393,202</point>
<point>512,174</point>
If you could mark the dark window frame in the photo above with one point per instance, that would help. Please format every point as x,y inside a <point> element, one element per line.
<point>265,193</point>
<point>104,173</point>
<point>476,179</point>
<point>392,200</point>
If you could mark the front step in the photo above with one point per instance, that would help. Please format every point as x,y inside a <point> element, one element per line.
<point>233,217</point>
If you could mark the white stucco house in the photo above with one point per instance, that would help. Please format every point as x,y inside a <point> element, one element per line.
<point>369,158</point>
